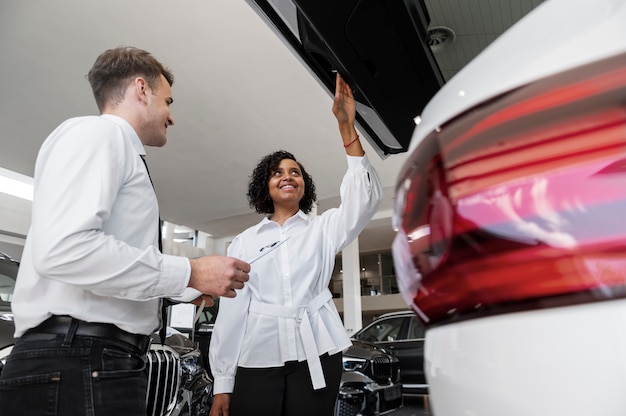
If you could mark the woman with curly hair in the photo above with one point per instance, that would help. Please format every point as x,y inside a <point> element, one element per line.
<point>276,347</point>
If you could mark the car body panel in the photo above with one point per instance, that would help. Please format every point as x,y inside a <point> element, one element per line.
<point>371,381</point>
<point>530,180</point>
<point>411,356</point>
<point>178,383</point>
<point>559,361</point>
<point>402,334</point>
<point>509,246</point>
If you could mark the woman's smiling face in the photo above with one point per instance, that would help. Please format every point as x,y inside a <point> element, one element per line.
<point>286,184</point>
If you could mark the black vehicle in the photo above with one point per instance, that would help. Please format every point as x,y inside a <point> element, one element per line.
<point>8,274</point>
<point>370,383</point>
<point>402,333</point>
<point>178,383</point>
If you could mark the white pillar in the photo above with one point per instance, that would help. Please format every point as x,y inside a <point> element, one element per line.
<point>205,242</point>
<point>167,234</point>
<point>352,317</point>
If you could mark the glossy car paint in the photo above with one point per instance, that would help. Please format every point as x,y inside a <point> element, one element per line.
<point>370,383</point>
<point>510,244</point>
<point>527,186</point>
<point>402,334</point>
<point>560,361</point>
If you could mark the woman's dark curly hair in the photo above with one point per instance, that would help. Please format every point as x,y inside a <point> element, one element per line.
<point>258,191</point>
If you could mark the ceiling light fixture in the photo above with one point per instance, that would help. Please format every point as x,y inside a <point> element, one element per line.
<point>15,184</point>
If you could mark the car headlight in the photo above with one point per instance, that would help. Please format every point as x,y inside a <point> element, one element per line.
<point>354,364</point>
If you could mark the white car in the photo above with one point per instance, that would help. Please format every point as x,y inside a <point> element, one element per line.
<point>510,243</point>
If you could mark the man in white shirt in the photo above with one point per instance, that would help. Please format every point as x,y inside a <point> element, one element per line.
<point>92,276</point>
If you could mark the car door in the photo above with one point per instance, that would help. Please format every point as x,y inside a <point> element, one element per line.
<point>409,347</point>
<point>404,336</point>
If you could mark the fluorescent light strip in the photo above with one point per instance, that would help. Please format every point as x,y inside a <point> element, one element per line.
<point>16,184</point>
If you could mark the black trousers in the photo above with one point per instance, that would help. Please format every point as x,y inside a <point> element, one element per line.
<point>286,390</point>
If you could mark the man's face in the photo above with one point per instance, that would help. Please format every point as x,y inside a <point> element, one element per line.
<point>158,117</point>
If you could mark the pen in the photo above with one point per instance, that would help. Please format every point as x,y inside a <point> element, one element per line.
<point>267,249</point>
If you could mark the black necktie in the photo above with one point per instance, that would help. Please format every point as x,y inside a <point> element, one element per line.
<point>164,303</point>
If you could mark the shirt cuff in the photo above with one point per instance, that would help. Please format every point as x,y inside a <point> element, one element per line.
<point>173,268</point>
<point>188,295</point>
<point>223,385</point>
<point>355,162</point>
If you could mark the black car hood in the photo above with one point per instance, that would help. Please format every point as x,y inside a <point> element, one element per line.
<point>364,349</point>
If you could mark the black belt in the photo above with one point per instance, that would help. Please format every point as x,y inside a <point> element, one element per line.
<point>60,325</point>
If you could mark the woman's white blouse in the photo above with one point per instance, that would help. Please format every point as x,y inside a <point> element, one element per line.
<point>268,322</point>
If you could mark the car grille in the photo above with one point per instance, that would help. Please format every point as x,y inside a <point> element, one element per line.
<point>163,366</point>
<point>384,369</point>
<point>349,407</point>
<point>390,398</point>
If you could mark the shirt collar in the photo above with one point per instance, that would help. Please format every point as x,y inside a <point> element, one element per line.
<point>301,216</point>
<point>129,131</point>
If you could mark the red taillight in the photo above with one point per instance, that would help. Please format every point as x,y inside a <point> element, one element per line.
<point>521,199</point>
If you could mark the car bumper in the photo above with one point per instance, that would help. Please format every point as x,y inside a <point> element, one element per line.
<point>359,395</point>
<point>559,361</point>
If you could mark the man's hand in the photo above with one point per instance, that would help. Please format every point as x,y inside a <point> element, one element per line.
<point>218,275</point>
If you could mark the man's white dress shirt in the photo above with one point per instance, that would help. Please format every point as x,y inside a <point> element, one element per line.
<point>286,312</point>
<point>91,250</point>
